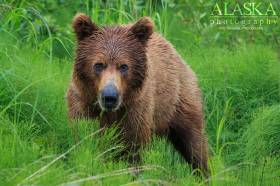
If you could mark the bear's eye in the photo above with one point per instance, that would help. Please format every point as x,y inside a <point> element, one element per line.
<point>98,67</point>
<point>123,68</point>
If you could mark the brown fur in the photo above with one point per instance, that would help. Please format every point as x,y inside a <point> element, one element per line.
<point>160,93</point>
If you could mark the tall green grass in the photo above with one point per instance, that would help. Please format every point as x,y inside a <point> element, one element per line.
<point>240,85</point>
<point>262,135</point>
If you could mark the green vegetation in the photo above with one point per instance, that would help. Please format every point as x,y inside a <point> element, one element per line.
<point>239,72</point>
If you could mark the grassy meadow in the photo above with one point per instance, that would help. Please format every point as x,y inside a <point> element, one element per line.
<point>238,71</point>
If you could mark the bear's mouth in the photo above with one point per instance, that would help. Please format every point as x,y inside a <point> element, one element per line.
<point>109,104</point>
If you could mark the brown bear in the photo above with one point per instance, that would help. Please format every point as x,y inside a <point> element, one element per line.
<point>132,76</point>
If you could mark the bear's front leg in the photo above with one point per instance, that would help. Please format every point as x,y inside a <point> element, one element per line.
<point>187,135</point>
<point>136,132</point>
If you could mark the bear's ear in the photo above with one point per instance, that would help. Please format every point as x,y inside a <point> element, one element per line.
<point>143,29</point>
<point>83,26</point>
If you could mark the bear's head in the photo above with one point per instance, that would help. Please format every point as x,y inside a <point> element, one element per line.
<point>111,62</point>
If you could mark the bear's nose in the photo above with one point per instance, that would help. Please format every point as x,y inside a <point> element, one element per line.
<point>109,97</point>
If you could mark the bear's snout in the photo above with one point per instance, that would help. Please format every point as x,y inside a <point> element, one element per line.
<point>110,98</point>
